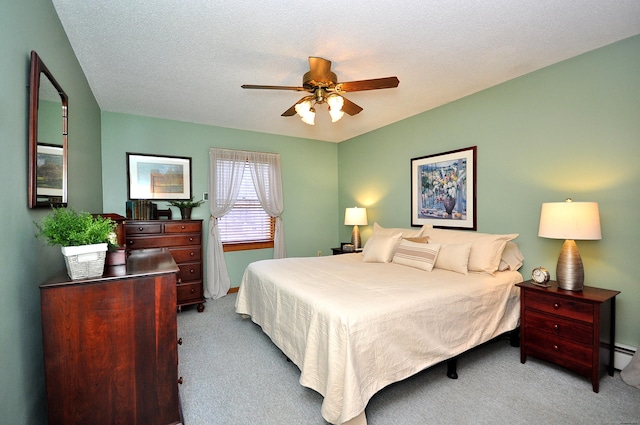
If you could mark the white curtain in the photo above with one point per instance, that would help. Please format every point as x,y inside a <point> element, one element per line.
<point>226,169</point>
<point>265,168</point>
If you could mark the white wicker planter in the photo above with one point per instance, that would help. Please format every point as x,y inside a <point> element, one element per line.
<point>84,261</point>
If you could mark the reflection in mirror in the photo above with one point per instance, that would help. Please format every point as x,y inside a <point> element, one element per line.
<point>48,105</point>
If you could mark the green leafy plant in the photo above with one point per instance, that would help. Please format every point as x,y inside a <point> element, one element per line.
<point>186,204</point>
<point>67,227</point>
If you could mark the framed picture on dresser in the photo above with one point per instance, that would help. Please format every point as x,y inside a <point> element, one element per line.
<point>443,189</point>
<point>158,177</point>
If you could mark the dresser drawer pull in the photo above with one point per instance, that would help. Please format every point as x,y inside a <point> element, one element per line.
<point>192,253</point>
<point>179,281</point>
<point>141,228</point>
<point>129,242</point>
<point>190,239</point>
<point>556,348</point>
<point>180,380</point>
<point>556,326</point>
<point>192,271</point>
<point>193,291</point>
<point>179,341</point>
<point>182,227</point>
<point>556,306</point>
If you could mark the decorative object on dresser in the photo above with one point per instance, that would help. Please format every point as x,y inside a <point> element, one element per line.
<point>83,238</point>
<point>186,207</point>
<point>183,238</point>
<point>570,220</point>
<point>566,327</point>
<point>355,217</point>
<point>110,344</point>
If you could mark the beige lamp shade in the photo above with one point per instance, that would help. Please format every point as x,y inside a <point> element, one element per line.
<point>570,221</point>
<point>355,217</point>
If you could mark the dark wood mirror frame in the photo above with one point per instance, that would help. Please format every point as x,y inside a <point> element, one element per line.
<point>59,199</point>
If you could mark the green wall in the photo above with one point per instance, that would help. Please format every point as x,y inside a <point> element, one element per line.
<point>309,176</point>
<point>24,26</point>
<point>569,130</point>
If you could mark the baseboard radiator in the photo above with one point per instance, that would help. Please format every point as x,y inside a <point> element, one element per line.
<point>622,355</point>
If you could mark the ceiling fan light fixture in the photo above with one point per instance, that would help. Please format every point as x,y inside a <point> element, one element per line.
<point>335,102</point>
<point>307,112</point>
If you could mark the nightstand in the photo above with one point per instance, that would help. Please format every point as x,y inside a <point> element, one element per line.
<point>338,251</point>
<point>567,327</point>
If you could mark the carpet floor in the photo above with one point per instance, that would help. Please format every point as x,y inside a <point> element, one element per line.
<point>234,375</point>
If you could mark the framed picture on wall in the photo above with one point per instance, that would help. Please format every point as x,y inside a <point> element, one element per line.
<point>443,189</point>
<point>158,177</point>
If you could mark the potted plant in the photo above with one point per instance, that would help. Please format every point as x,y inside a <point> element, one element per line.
<point>84,239</point>
<point>185,207</point>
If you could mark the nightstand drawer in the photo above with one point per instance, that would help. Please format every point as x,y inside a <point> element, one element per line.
<point>576,331</point>
<point>559,350</point>
<point>561,306</point>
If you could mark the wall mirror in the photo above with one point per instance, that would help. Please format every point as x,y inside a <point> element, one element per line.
<point>48,108</point>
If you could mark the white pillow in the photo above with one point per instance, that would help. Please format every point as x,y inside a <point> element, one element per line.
<point>486,248</point>
<point>405,233</point>
<point>454,257</point>
<point>416,254</point>
<point>511,257</point>
<point>380,248</point>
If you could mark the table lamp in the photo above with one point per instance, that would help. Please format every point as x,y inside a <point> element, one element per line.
<point>570,221</point>
<point>355,217</point>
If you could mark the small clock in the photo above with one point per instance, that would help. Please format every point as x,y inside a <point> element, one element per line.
<point>540,276</point>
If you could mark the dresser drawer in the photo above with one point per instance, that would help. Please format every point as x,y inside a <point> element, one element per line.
<point>143,229</point>
<point>182,227</point>
<point>556,325</point>
<point>189,272</point>
<point>189,292</point>
<point>185,255</point>
<point>560,306</point>
<point>558,350</point>
<point>162,241</point>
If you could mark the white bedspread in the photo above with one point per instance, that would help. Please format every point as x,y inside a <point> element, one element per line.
<point>354,327</point>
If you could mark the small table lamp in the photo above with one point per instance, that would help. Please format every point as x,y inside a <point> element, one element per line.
<point>570,220</point>
<point>355,217</point>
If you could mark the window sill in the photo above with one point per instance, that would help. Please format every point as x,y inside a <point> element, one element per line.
<point>243,246</point>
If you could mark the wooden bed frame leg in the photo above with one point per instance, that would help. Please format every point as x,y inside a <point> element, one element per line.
<point>452,367</point>
<point>514,337</point>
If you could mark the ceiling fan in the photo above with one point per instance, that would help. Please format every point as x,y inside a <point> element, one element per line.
<point>325,88</point>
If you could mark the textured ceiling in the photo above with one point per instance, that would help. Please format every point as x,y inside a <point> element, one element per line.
<point>186,59</point>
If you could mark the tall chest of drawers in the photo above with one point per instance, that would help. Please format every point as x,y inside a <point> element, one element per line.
<point>183,238</point>
<point>569,328</point>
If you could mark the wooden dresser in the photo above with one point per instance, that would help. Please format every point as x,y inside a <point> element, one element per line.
<point>569,328</point>
<point>110,344</point>
<point>183,238</point>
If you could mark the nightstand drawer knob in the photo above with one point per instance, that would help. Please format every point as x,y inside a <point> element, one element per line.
<point>556,306</point>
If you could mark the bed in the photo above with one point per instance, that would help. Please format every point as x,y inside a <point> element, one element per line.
<point>356,323</point>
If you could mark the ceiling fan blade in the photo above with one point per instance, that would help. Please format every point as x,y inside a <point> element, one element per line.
<point>374,84</point>
<point>255,86</point>
<point>320,70</point>
<point>292,111</point>
<point>350,108</point>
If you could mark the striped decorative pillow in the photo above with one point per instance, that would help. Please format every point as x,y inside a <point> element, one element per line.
<point>419,255</point>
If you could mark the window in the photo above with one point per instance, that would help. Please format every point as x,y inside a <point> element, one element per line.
<point>247,225</point>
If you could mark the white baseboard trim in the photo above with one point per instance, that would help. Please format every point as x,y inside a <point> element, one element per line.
<point>622,355</point>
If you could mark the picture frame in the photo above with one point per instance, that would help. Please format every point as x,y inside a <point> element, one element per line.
<point>443,189</point>
<point>163,178</point>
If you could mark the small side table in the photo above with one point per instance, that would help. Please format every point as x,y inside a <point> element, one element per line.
<point>338,251</point>
<point>566,327</point>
